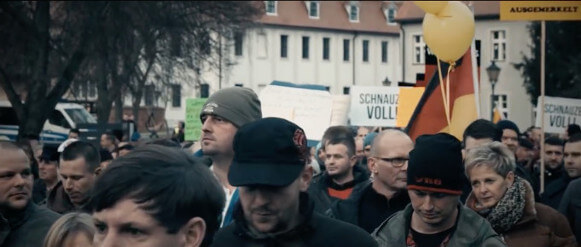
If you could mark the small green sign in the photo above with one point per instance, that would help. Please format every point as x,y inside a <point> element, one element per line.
<point>193,128</point>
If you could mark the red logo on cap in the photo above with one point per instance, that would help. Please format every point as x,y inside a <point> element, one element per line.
<point>300,141</point>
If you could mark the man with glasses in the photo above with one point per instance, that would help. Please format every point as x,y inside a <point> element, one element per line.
<point>387,193</point>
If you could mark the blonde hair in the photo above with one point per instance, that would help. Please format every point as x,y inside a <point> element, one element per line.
<point>494,155</point>
<point>68,225</point>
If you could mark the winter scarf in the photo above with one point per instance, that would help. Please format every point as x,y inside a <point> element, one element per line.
<point>509,209</point>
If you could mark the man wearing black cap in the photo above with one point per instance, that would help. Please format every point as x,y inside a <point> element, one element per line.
<point>222,115</point>
<point>510,133</point>
<point>47,174</point>
<point>270,168</point>
<point>435,216</point>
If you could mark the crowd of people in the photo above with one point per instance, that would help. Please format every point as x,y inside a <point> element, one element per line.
<point>254,181</point>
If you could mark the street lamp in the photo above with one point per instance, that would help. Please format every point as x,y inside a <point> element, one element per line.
<point>492,72</point>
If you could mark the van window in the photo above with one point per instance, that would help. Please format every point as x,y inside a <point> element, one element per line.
<point>8,116</point>
<point>57,118</point>
<point>80,116</point>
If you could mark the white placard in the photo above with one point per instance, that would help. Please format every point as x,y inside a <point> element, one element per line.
<point>341,104</point>
<point>307,108</point>
<point>559,113</point>
<point>373,106</point>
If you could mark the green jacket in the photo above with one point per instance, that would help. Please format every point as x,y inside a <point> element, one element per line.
<point>472,230</point>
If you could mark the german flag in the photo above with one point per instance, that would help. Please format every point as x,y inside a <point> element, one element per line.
<point>429,117</point>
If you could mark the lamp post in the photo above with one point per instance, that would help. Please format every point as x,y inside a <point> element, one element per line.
<point>492,72</point>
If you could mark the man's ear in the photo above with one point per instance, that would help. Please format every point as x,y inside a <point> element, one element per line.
<point>305,178</point>
<point>194,232</point>
<point>371,165</point>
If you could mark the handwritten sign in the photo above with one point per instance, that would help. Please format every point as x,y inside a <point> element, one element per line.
<point>374,106</point>
<point>309,109</point>
<point>193,128</point>
<point>559,113</point>
<point>540,10</point>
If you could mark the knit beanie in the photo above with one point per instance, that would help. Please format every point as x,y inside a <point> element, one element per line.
<point>507,124</point>
<point>369,139</point>
<point>236,104</point>
<point>436,165</point>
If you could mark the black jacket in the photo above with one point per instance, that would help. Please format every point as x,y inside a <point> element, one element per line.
<point>368,209</point>
<point>26,228</point>
<point>318,189</point>
<point>554,191</point>
<point>314,230</point>
<point>571,206</point>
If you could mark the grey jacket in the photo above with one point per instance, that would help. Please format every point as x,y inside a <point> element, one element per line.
<point>26,228</point>
<point>472,230</point>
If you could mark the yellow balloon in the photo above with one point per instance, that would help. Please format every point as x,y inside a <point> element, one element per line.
<point>432,7</point>
<point>450,33</point>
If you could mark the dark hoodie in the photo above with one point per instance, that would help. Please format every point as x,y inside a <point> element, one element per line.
<point>314,230</point>
<point>318,189</point>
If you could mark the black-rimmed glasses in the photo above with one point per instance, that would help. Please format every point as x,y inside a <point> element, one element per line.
<point>396,162</point>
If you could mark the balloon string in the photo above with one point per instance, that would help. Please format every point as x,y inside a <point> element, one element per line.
<point>450,68</point>
<point>444,97</point>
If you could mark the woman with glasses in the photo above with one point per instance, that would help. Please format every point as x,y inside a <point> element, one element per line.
<point>507,201</point>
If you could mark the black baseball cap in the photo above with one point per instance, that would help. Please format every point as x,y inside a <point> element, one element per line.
<point>269,151</point>
<point>49,154</point>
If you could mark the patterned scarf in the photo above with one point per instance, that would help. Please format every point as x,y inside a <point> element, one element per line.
<point>509,209</point>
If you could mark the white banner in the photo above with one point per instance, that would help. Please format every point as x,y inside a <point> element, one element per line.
<point>559,113</point>
<point>373,106</point>
<point>309,109</point>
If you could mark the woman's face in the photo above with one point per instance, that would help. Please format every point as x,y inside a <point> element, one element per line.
<point>488,186</point>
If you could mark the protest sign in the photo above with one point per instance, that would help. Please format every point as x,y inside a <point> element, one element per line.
<point>559,113</point>
<point>310,109</point>
<point>193,128</point>
<point>373,106</point>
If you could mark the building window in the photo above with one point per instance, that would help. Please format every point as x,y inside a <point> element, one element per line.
<point>501,102</point>
<point>346,50</point>
<point>498,45</point>
<point>325,48</point>
<point>305,47</point>
<point>238,44</point>
<point>365,50</point>
<point>176,95</point>
<point>391,13</point>
<point>353,13</point>
<point>283,46</point>
<point>262,46</point>
<point>149,91</point>
<point>314,9</point>
<point>418,52</point>
<point>270,7</point>
<point>384,51</point>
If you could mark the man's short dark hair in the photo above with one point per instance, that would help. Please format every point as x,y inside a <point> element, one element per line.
<point>166,142</point>
<point>349,142</point>
<point>481,129</point>
<point>555,141</point>
<point>74,130</point>
<point>171,185</point>
<point>85,150</point>
<point>574,138</point>
<point>110,136</point>
<point>336,132</point>
<point>573,129</point>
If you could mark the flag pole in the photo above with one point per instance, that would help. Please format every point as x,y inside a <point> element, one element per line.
<point>542,108</point>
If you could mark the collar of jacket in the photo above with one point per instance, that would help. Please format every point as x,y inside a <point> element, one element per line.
<point>395,229</point>
<point>16,218</point>
<point>306,208</point>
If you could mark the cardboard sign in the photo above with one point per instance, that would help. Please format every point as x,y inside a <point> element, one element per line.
<point>307,108</point>
<point>193,128</point>
<point>373,106</point>
<point>559,113</point>
<point>408,100</point>
<point>340,111</point>
<point>540,10</point>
